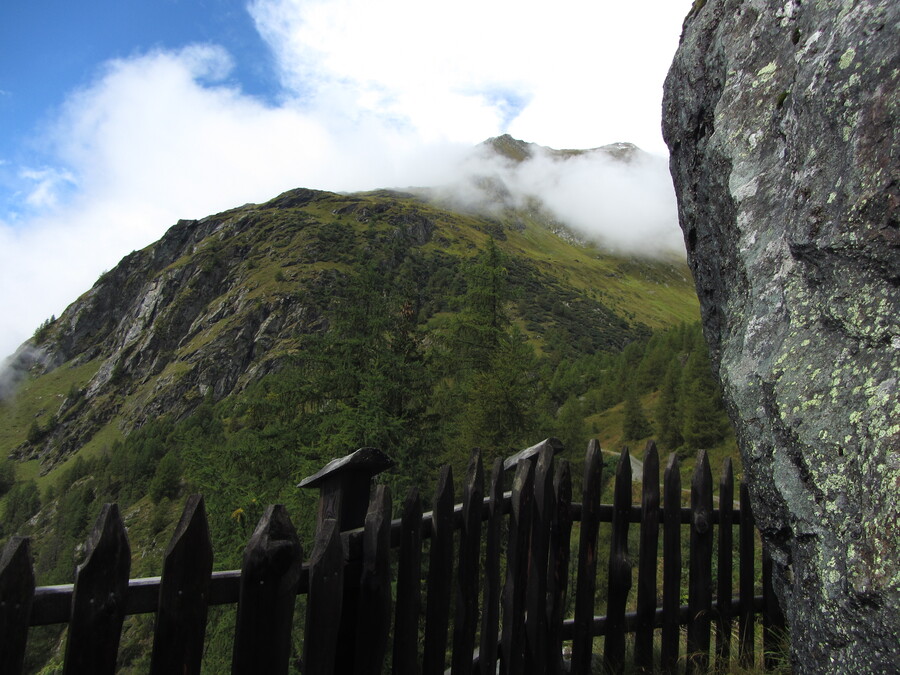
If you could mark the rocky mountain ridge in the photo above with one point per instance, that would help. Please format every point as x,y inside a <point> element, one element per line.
<point>219,302</point>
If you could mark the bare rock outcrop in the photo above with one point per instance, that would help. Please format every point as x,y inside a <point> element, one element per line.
<point>782,123</point>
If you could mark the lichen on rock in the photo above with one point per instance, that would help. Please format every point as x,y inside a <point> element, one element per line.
<point>782,123</point>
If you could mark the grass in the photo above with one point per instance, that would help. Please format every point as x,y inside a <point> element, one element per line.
<point>37,399</point>
<point>779,657</point>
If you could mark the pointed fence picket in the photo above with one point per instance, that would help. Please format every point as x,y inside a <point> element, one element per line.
<point>558,566</point>
<point>490,615</point>
<point>519,571</point>
<point>16,595</point>
<point>325,596</point>
<point>98,599</point>
<point>466,621</point>
<point>619,575</point>
<point>649,545</point>
<point>587,561</point>
<point>671,566</point>
<point>723,574</point>
<point>409,571</point>
<point>440,570</point>
<point>183,594</point>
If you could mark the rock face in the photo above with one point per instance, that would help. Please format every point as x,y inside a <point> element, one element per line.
<point>782,123</point>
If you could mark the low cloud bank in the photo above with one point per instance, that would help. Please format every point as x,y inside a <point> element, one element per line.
<point>14,368</point>
<point>617,196</point>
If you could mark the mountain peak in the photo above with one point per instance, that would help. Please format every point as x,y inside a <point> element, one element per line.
<point>521,151</point>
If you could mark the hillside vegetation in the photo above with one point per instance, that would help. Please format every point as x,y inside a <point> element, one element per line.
<point>243,351</point>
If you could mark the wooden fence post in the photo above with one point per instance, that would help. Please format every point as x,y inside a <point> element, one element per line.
<point>619,582</point>
<point>512,643</point>
<point>723,576</point>
<point>180,624</point>
<point>647,555</point>
<point>374,615</point>
<point>466,622</point>
<point>98,600</point>
<point>409,571</point>
<point>344,488</point>
<point>671,565</point>
<point>324,601</point>
<point>558,565</point>
<point>536,592</point>
<point>490,603</point>
<point>582,639</point>
<point>268,590</point>
<point>772,618</point>
<point>700,579</point>
<point>440,571</point>
<point>16,594</point>
<point>746,555</point>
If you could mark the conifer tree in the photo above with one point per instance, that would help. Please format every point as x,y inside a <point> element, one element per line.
<point>668,414</point>
<point>634,423</point>
<point>703,422</point>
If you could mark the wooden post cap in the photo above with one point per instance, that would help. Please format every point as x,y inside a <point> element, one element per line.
<point>368,461</point>
<point>512,461</point>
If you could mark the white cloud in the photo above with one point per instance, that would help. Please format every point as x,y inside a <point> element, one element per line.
<point>157,138</point>
<point>376,94</point>
<point>589,73</point>
<point>46,186</point>
<point>628,206</point>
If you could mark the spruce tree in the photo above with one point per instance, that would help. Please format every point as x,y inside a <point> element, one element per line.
<point>634,423</point>
<point>668,413</point>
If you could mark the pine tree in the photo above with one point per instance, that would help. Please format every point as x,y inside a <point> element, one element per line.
<point>483,320</point>
<point>668,413</point>
<point>703,421</point>
<point>634,423</point>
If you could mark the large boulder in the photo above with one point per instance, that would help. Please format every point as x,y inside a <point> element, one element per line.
<point>781,119</point>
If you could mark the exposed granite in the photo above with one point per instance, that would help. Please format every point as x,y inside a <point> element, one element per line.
<point>781,119</point>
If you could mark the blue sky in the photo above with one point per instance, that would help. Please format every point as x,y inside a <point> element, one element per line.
<point>49,48</point>
<point>118,118</point>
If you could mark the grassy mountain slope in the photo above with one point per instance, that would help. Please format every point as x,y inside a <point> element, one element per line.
<point>241,351</point>
<point>220,302</point>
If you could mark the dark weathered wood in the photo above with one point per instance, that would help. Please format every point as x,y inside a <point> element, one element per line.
<point>772,618</point>
<point>409,570</point>
<point>269,577</point>
<point>512,641</point>
<point>619,576</point>
<point>16,594</point>
<point>558,566</point>
<point>582,640</point>
<point>440,573</point>
<point>671,565</point>
<point>374,615</point>
<point>98,600</point>
<point>531,453</point>
<point>465,623</point>
<point>634,515</point>
<point>700,576</point>
<point>490,602</point>
<point>723,576</point>
<point>599,624</point>
<point>367,461</point>
<point>536,593</point>
<point>324,600</point>
<point>746,554</point>
<point>647,555</point>
<point>344,494</point>
<point>183,594</point>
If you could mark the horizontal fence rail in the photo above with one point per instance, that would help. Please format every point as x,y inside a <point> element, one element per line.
<point>498,563</point>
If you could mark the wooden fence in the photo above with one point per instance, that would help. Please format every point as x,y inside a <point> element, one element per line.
<point>500,563</point>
